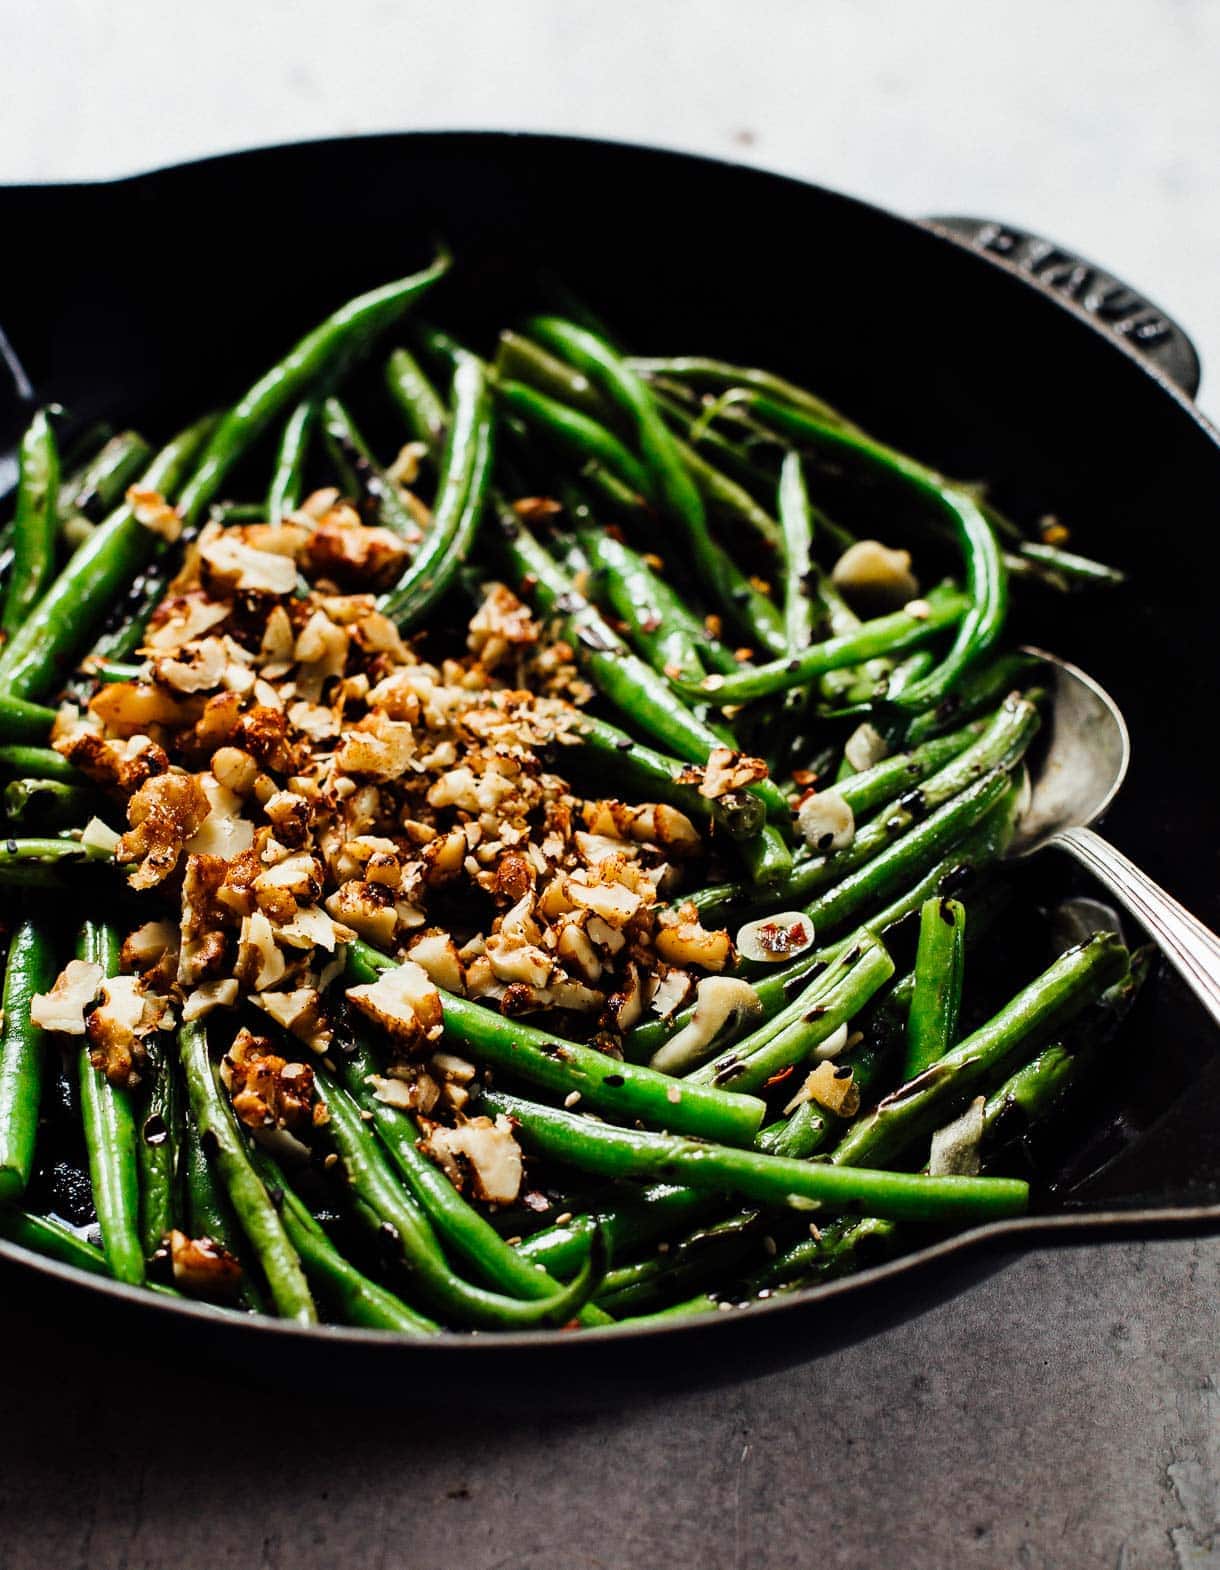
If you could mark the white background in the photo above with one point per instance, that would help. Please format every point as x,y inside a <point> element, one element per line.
<point>1098,123</point>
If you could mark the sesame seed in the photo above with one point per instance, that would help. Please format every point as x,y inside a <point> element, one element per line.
<point>673,1095</point>
<point>562,1221</point>
<point>571,1098</point>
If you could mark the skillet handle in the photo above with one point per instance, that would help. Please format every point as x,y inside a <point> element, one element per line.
<point>1110,302</point>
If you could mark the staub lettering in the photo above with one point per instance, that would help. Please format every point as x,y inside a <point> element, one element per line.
<point>1127,314</point>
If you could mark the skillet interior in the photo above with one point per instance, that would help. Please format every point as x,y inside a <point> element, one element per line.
<point>167,291</point>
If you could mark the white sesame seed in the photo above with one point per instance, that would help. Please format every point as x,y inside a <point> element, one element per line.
<point>571,1098</point>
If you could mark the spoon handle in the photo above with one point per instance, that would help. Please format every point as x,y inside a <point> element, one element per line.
<point>1190,946</point>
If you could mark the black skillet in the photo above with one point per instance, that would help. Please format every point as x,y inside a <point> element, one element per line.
<point>987,351</point>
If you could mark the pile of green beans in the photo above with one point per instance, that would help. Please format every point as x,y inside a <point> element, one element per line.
<point>872,1079</point>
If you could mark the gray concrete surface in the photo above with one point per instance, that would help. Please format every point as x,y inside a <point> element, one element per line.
<point>1085,1434</point>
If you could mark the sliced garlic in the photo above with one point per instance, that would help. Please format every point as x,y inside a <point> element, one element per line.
<point>865,747</point>
<point>875,576</point>
<point>718,1000</point>
<point>772,939</point>
<point>825,822</point>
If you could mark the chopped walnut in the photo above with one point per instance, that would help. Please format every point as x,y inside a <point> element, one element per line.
<point>478,1155</point>
<point>164,813</point>
<point>727,770</point>
<point>267,1091</point>
<point>203,1267</point>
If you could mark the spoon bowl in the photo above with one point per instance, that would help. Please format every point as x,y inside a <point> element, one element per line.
<point>1081,769</point>
<point>1084,760</point>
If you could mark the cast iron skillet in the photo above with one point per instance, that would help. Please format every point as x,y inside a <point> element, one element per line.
<point>987,351</point>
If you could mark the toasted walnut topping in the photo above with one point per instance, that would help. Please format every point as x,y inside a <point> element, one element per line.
<point>153,512</point>
<point>202,1267</point>
<point>683,940</point>
<point>727,770</point>
<point>478,1156</point>
<point>405,1003</point>
<point>306,777</point>
<point>233,564</point>
<point>212,995</point>
<point>147,945</point>
<point>501,624</point>
<point>164,813</point>
<point>342,549</point>
<point>300,1012</point>
<point>410,1088</point>
<point>73,991</point>
<point>267,1091</point>
<point>116,1029</point>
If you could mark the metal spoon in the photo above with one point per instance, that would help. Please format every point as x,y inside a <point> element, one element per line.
<point>1082,768</point>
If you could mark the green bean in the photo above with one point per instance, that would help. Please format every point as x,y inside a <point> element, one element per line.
<point>834,1252</point>
<point>1000,746</point>
<point>797,524</point>
<point>978,691</point>
<point>210,1215</point>
<point>769,1180</point>
<point>825,1006</point>
<point>911,856</point>
<point>574,433</point>
<point>776,990</point>
<point>564,1067</point>
<point>36,862</point>
<point>895,633</point>
<point>637,1219</point>
<point>1038,1087</point>
<point>663,629</point>
<point>985,580</point>
<point>703,372</point>
<point>922,1104</point>
<point>51,1238</point>
<point>886,781</point>
<point>35,523</point>
<point>48,642</point>
<point>675,491</point>
<point>625,680</point>
<point>39,763</point>
<point>461,493</point>
<point>47,804</point>
<point>1076,571</point>
<point>157,1152</point>
<point>221,1139</point>
<point>20,721</point>
<point>369,478</point>
<point>520,359</point>
<point>284,493</point>
<point>30,969</point>
<point>315,361</point>
<point>418,401</point>
<point>110,1134</point>
<point>100,485</point>
<point>702,1255</point>
<point>937,997</point>
<point>357,1300</point>
<point>385,1209</point>
<point>460,1227</point>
